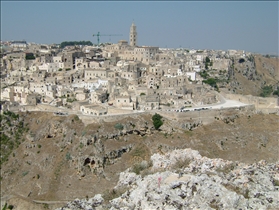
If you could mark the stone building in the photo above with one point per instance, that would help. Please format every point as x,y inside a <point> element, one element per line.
<point>95,73</point>
<point>95,110</point>
<point>125,102</point>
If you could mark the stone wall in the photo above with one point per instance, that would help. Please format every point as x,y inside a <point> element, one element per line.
<point>107,118</point>
<point>208,116</point>
<point>266,105</point>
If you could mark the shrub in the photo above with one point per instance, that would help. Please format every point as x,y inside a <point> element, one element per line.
<point>138,167</point>
<point>180,163</point>
<point>157,121</point>
<point>70,100</point>
<point>113,193</point>
<point>204,74</point>
<point>10,207</point>
<point>211,81</point>
<point>68,156</point>
<point>119,126</point>
<point>266,91</point>
<point>25,173</point>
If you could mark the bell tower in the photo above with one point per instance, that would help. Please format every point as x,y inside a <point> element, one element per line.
<point>133,35</point>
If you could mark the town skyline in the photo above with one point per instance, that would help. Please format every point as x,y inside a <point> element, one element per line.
<point>193,25</point>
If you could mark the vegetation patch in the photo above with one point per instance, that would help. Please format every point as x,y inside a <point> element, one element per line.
<point>204,74</point>
<point>118,126</point>
<point>73,43</point>
<point>266,91</point>
<point>157,121</point>
<point>113,193</point>
<point>211,81</point>
<point>142,168</point>
<point>12,130</point>
<point>140,151</point>
<point>180,164</point>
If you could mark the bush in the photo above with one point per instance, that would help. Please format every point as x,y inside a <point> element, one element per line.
<point>11,114</point>
<point>71,100</point>
<point>211,81</point>
<point>138,167</point>
<point>10,207</point>
<point>113,193</point>
<point>157,122</point>
<point>266,91</point>
<point>119,126</point>
<point>204,74</point>
<point>68,156</point>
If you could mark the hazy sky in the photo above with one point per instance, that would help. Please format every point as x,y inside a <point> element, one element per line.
<point>249,26</point>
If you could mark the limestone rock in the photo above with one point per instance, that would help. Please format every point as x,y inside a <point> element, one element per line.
<point>183,179</point>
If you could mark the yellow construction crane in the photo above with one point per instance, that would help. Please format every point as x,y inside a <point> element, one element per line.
<point>98,36</point>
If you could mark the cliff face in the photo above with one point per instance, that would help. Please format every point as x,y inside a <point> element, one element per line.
<point>183,179</point>
<point>63,159</point>
<point>250,74</point>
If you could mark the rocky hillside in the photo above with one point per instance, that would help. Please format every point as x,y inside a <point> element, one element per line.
<point>249,75</point>
<point>62,159</point>
<point>183,179</point>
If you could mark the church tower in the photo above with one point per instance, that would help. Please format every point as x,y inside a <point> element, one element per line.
<point>133,35</point>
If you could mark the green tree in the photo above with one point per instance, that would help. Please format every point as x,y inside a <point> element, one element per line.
<point>266,91</point>
<point>211,81</point>
<point>157,121</point>
<point>73,43</point>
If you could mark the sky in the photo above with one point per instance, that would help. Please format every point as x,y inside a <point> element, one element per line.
<point>219,25</point>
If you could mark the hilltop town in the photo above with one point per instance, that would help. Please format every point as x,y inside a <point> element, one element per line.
<point>77,122</point>
<point>112,78</point>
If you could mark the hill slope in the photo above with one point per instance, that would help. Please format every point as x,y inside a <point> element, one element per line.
<point>250,75</point>
<point>62,159</point>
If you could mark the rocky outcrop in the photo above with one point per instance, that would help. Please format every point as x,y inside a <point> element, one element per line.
<point>97,161</point>
<point>86,204</point>
<point>183,179</point>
